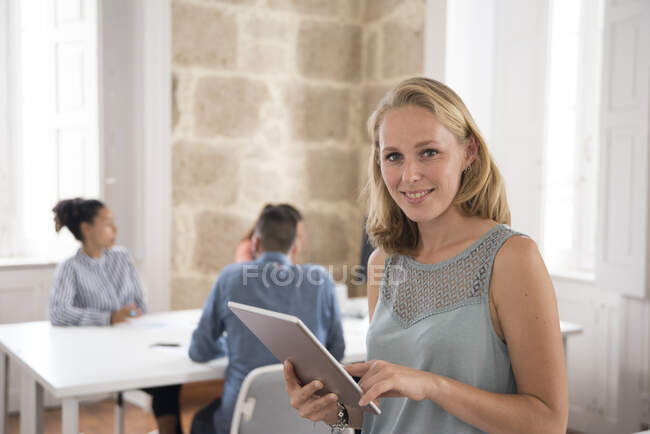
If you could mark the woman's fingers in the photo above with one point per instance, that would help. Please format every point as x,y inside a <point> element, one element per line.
<point>380,372</point>
<point>374,392</point>
<point>290,377</point>
<point>299,394</point>
<point>317,409</point>
<point>359,369</point>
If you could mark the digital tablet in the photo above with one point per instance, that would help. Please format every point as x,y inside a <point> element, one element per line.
<point>287,337</point>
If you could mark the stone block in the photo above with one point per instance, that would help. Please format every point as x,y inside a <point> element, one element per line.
<point>327,241</point>
<point>237,2</point>
<point>261,58</point>
<point>263,182</point>
<point>190,292</point>
<point>228,106</point>
<point>268,28</point>
<point>403,50</point>
<point>376,9</point>
<point>372,95</point>
<point>350,10</point>
<point>371,56</point>
<point>332,175</point>
<point>217,237</point>
<point>182,231</point>
<point>329,51</point>
<point>308,7</point>
<point>203,174</point>
<point>203,36</point>
<point>318,112</point>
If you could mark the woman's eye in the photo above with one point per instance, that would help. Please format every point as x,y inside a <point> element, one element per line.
<point>392,157</point>
<point>429,153</point>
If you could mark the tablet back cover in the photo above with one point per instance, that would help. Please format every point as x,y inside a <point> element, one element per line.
<point>288,338</point>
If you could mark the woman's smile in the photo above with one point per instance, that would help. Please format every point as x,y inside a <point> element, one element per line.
<point>417,196</point>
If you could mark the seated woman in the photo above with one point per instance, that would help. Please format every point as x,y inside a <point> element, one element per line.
<point>99,286</point>
<point>244,251</point>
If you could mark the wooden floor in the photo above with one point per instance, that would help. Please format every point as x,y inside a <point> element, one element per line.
<point>98,417</point>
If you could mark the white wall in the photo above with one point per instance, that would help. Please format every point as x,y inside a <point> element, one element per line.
<point>473,76</point>
<point>135,136</point>
<point>495,57</point>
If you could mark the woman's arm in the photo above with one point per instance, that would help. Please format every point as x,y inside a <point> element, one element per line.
<point>527,312</point>
<point>375,273</point>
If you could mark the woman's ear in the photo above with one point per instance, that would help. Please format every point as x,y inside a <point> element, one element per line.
<point>84,227</point>
<point>471,150</point>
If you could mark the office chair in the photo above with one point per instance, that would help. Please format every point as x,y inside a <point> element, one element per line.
<point>263,406</point>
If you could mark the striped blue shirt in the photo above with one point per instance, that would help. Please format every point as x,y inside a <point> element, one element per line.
<point>86,290</point>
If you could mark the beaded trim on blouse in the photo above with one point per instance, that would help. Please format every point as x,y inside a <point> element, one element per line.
<point>414,291</point>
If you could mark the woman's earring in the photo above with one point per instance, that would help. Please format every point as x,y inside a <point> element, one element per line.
<point>467,169</point>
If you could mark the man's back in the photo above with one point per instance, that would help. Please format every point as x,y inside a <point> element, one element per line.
<point>271,282</point>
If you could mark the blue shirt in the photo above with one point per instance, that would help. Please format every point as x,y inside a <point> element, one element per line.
<point>270,282</point>
<point>85,290</point>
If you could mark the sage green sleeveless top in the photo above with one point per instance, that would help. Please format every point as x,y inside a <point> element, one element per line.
<point>436,318</point>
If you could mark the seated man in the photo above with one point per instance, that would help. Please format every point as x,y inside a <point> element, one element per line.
<point>272,282</point>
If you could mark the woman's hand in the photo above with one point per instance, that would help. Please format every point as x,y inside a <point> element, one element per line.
<point>313,407</point>
<point>383,379</point>
<point>129,311</point>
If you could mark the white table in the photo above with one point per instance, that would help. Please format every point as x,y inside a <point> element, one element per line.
<point>74,362</point>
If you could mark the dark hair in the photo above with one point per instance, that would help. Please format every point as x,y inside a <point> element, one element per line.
<point>298,216</point>
<point>292,209</point>
<point>72,212</point>
<point>276,228</point>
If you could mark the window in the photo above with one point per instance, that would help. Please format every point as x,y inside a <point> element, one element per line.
<point>50,145</point>
<point>571,151</point>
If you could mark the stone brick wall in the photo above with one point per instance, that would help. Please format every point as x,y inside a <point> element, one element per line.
<point>270,99</point>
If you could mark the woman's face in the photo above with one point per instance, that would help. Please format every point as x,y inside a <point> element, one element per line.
<point>102,231</point>
<point>421,162</point>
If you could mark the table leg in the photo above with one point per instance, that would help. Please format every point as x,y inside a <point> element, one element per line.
<point>119,414</point>
<point>4,393</point>
<point>31,405</point>
<point>70,416</point>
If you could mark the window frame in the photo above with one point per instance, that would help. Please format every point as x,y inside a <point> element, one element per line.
<point>581,257</point>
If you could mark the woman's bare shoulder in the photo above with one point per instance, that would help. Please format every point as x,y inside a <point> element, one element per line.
<point>377,257</point>
<point>518,251</point>
<point>519,267</point>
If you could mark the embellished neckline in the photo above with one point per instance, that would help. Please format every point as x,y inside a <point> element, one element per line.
<point>455,258</point>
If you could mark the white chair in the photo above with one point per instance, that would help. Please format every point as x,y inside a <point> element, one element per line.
<point>263,406</point>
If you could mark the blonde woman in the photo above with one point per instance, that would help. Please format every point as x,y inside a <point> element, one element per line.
<point>464,331</point>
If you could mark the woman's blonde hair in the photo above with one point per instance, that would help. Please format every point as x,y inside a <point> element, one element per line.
<point>481,192</point>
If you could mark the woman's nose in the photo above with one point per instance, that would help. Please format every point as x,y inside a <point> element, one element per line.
<point>411,172</point>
